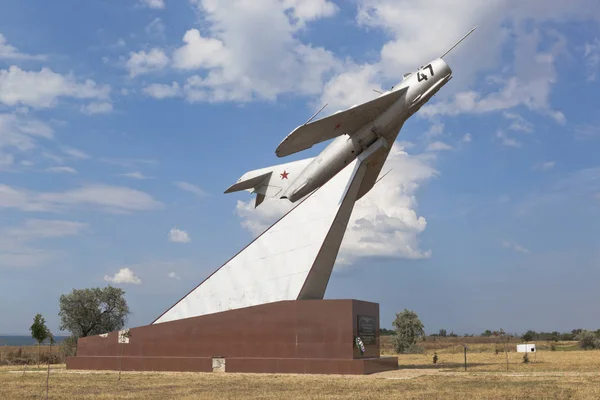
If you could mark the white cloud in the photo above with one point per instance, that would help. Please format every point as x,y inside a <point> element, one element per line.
<point>156,28</point>
<point>53,157</point>
<point>162,91</point>
<point>467,138</point>
<point>114,199</point>
<point>592,59</point>
<point>518,123</point>
<point>124,275</point>
<point>200,52</point>
<point>354,86</point>
<point>188,187</point>
<point>6,160</point>
<point>8,52</point>
<point>516,247</point>
<point>144,62</point>
<point>519,87</point>
<point>74,153</point>
<point>308,10</point>
<point>178,236</point>
<point>436,129</point>
<point>173,275</point>
<point>234,55</point>
<point>545,166</point>
<point>502,24</point>
<point>135,175</point>
<point>19,134</point>
<point>156,4</point>
<point>97,107</point>
<point>563,191</point>
<point>506,140</point>
<point>439,146</point>
<point>59,170</point>
<point>384,222</point>
<point>34,229</point>
<point>16,249</point>
<point>42,89</point>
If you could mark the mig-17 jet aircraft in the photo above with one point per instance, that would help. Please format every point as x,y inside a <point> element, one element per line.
<point>354,130</point>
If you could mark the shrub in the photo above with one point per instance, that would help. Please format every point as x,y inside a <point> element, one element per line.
<point>588,340</point>
<point>68,348</point>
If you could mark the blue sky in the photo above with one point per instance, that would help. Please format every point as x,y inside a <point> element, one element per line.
<point>121,123</point>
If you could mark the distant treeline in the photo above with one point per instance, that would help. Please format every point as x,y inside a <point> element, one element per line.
<point>24,340</point>
<point>530,335</point>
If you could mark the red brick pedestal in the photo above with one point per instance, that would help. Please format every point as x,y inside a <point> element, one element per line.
<point>302,336</point>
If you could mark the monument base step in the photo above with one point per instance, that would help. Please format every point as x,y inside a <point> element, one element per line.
<point>361,366</point>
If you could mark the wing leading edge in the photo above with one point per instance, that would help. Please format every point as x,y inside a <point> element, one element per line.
<point>348,121</point>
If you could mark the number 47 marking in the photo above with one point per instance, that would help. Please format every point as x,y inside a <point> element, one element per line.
<point>422,77</point>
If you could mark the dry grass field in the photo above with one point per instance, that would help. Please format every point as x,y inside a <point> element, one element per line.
<point>549,375</point>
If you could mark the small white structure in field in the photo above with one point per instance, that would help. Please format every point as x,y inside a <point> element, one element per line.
<point>526,348</point>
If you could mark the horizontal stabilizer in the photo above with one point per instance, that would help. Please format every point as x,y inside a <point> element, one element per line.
<point>342,122</point>
<point>269,181</point>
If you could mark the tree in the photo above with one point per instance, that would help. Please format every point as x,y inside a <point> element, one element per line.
<point>528,336</point>
<point>409,329</point>
<point>442,333</point>
<point>487,333</point>
<point>88,312</point>
<point>588,340</point>
<point>40,332</point>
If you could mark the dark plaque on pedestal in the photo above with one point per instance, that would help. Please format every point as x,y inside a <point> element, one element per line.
<point>366,329</point>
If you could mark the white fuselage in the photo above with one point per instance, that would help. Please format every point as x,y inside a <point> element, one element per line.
<point>421,86</point>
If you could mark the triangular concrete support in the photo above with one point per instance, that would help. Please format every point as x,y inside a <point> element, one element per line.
<point>291,260</point>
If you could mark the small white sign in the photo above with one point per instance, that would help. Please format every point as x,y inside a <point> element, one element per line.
<point>526,348</point>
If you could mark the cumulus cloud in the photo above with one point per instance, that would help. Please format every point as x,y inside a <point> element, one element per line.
<point>41,89</point>
<point>8,52</point>
<point>467,138</point>
<point>124,275</point>
<point>163,91</point>
<point>143,62</point>
<point>383,223</point>
<point>226,67</point>
<point>521,86</point>
<point>178,236</point>
<point>173,275</point>
<point>188,187</point>
<point>114,199</point>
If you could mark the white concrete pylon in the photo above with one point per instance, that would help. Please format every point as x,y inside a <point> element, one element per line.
<point>291,260</point>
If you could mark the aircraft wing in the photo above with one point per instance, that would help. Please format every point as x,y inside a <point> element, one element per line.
<point>348,121</point>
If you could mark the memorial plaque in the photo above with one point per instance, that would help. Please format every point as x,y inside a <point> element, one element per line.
<point>367,329</point>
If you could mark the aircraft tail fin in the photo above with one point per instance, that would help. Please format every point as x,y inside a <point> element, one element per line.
<point>270,181</point>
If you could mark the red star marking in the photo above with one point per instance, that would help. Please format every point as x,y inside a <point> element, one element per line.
<point>284,175</point>
<point>337,125</point>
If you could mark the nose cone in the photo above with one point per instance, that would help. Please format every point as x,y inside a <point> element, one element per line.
<point>441,68</point>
